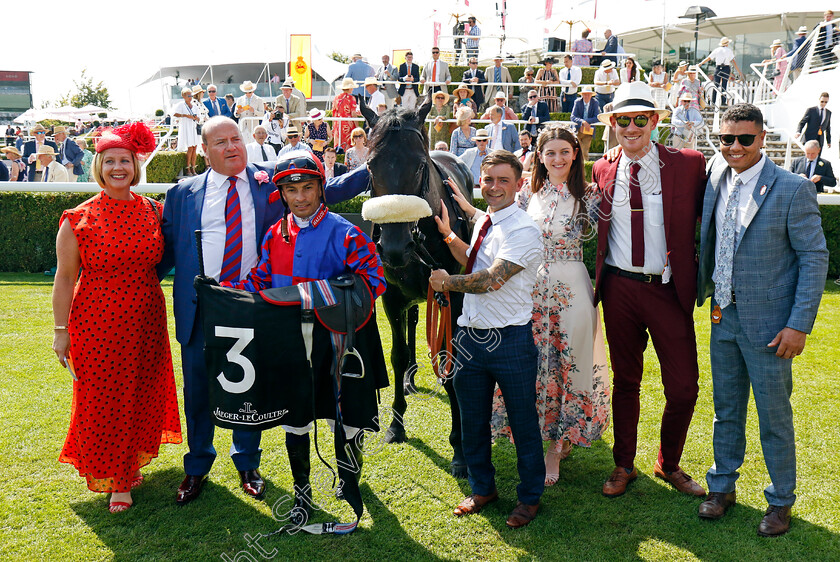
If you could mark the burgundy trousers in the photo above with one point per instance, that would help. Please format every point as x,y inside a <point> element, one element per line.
<point>632,310</point>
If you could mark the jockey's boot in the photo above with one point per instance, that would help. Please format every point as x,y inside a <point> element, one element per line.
<point>301,466</point>
<point>356,459</point>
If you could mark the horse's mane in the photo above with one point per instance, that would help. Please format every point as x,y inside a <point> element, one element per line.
<point>389,121</point>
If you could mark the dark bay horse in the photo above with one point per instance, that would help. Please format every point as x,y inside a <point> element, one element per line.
<point>400,164</point>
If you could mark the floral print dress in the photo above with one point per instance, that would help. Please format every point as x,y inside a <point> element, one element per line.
<point>573,396</point>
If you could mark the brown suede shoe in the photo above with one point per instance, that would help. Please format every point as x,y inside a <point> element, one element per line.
<point>473,503</point>
<point>716,505</point>
<point>521,515</point>
<point>776,521</point>
<point>617,483</point>
<point>680,480</point>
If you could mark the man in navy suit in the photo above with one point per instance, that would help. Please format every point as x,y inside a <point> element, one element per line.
<point>199,204</point>
<point>585,110</point>
<point>763,260</point>
<point>816,123</point>
<point>535,113</point>
<point>69,154</point>
<point>611,47</point>
<point>409,75</point>
<point>475,76</point>
<point>30,151</point>
<point>814,168</point>
<point>214,105</point>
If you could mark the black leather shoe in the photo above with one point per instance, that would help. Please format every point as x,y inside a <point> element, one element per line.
<point>252,483</point>
<point>189,489</point>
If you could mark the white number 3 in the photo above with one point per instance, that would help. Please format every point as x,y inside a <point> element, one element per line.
<point>234,355</point>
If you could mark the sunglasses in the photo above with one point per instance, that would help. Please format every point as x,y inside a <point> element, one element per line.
<point>481,140</point>
<point>293,136</point>
<point>640,121</point>
<point>532,97</point>
<point>211,91</point>
<point>358,136</point>
<point>743,140</point>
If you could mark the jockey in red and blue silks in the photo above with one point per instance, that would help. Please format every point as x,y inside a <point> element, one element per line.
<point>310,243</point>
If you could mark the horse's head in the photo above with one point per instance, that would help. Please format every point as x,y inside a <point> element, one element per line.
<point>399,165</point>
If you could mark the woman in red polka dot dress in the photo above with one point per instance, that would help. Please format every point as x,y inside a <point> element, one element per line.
<point>111,324</point>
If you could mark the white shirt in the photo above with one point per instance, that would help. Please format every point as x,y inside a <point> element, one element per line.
<point>602,76</point>
<point>289,148</point>
<point>619,240</point>
<point>495,136</point>
<point>214,230</point>
<point>376,98</point>
<point>569,76</point>
<point>255,154</point>
<point>513,237</point>
<point>722,56</point>
<point>749,179</point>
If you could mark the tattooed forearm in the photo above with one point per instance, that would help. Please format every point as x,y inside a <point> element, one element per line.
<point>483,281</point>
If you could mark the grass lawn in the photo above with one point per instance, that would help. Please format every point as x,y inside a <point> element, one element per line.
<point>48,513</point>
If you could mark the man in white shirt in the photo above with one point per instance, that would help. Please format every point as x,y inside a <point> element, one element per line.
<point>259,150</point>
<point>502,135</point>
<point>724,59</point>
<point>53,171</point>
<point>495,341</point>
<point>606,79</point>
<point>646,276</point>
<point>376,96</point>
<point>437,72</point>
<point>827,38</point>
<point>570,77</point>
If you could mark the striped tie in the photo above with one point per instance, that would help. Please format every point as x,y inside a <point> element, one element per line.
<point>232,259</point>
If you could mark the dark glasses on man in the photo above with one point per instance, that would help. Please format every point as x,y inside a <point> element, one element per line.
<point>743,140</point>
<point>639,120</point>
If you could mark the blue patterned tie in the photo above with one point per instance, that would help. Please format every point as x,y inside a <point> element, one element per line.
<point>728,238</point>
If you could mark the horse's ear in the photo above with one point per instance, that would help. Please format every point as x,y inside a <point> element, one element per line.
<point>424,109</point>
<point>370,115</point>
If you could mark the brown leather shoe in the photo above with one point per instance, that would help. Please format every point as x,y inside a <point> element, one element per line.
<point>189,489</point>
<point>473,503</point>
<point>680,480</point>
<point>521,515</point>
<point>252,483</point>
<point>776,521</point>
<point>617,483</point>
<point>716,505</point>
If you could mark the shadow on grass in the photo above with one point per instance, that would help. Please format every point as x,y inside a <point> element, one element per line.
<point>439,461</point>
<point>156,528</point>
<point>651,521</point>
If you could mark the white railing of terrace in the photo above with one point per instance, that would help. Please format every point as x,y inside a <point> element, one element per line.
<point>816,59</point>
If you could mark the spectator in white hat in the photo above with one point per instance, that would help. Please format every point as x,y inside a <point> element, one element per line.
<point>250,108</point>
<point>724,59</point>
<point>686,122</point>
<point>293,105</point>
<point>798,52</point>
<point>606,79</point>
<point>500,100</point>
<point>497,74</point>
<point>358,70</point>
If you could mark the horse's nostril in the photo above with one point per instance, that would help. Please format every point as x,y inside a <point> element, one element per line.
<point>409,247</point>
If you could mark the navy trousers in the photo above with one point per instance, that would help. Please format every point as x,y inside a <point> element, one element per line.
<point>507,357</point>
<point>245,449</point>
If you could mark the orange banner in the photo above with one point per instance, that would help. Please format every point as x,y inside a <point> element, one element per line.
<point>300,63</point>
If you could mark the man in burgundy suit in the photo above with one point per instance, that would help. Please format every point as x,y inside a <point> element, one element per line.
<point>646,276</point>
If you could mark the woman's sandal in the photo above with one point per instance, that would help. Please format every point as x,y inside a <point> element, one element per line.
<point>551,478</point>
<point>137,481</point>
<point>119,507</point>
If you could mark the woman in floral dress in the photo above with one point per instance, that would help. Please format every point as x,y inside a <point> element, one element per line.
<point>573,398</point>
<point>317,133</point>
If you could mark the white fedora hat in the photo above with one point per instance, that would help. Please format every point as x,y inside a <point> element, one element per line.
<point>247,86</point>
<point>633,97</point>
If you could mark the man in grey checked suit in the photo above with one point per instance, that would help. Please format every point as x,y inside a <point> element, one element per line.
<point>763,259</point>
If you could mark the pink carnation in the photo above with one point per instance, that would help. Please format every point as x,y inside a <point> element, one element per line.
<point>261,176</point>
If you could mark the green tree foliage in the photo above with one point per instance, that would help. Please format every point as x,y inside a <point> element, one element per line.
<point>87,93</point>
